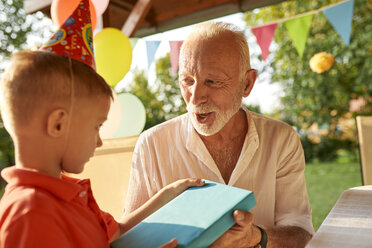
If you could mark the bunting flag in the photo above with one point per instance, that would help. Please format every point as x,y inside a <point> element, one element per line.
<point>264,36</point>
<point>340,16</point>
<point>151,47</point>
<point>298,30</point>
<point>175,47</point>
<point>133,42</point>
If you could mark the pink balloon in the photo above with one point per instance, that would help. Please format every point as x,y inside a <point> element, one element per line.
<point>100,5</point>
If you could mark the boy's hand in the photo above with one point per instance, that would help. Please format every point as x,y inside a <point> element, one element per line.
<point>161,198</point>
<point>170,244</point>
<point>172,190</point>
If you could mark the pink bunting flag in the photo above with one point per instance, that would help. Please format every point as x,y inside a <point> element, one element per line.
<point>175,47</point>
<point>264,36</point>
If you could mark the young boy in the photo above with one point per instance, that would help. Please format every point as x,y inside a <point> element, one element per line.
<point>53,107</point>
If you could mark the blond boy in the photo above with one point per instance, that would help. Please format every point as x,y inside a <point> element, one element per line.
<point>53,107</point>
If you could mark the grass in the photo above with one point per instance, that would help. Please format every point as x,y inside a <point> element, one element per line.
<point>325,183</point>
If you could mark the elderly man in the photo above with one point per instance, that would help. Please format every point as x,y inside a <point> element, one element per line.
<point>222,141</point>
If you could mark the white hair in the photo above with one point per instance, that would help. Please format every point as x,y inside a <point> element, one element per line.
<point>207,30</point>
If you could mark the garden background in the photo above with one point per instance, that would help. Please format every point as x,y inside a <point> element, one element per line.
<point>320,106</point>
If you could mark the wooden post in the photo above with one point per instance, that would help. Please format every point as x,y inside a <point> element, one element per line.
<point>136,16</point>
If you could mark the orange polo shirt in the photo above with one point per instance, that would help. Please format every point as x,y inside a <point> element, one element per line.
<point>40,211</point>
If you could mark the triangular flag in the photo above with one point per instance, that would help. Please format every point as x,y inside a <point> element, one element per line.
<point>151,47</point>
<point>175,47</point>
<point>298,30</point>
<point>133,42</point>
<point>264,36</point>
<point>341,16</point>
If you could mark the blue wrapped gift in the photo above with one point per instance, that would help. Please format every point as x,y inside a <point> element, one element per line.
<point>197,217</point>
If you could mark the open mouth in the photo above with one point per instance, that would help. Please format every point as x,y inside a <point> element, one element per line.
<point>203,118</point>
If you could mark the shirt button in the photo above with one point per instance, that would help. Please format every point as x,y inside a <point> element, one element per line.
<point>82,193</point>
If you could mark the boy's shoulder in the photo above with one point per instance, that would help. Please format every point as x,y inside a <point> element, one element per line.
<point>27,191</point>
<point>22,199</point>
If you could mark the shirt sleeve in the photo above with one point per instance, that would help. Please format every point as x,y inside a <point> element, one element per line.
<point>34,230</point>
<point>111,224</point>
<point>139,184</point>
<point>292,206</point>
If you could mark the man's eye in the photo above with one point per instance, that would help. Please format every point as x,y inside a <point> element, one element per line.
<point>213,82</point>
<point>187,81</point>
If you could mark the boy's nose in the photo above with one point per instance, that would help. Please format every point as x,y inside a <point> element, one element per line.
<point>99,141</point>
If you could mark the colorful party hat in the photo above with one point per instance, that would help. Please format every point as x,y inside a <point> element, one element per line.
<point>74,38</point>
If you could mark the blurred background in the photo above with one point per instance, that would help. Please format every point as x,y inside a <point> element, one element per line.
<point>317,80</point>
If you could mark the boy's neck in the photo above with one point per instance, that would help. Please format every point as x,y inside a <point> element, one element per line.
<point>36,155</point>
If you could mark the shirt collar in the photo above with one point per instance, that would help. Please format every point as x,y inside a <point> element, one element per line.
<point>196,146</point>
<point>65,187</point>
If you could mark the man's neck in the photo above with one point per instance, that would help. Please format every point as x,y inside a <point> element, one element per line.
<point>225,146</point>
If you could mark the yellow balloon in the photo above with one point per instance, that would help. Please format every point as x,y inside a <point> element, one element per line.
<point>113,53</point>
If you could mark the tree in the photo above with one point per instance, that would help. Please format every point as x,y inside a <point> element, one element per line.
<point>322,99</point>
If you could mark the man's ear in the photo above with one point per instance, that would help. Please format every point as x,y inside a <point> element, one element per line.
<point>57,123</point>
<point>249,80</point>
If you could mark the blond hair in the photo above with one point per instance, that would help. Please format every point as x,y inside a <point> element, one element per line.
<point>37,78</point>
<point>208,30</point>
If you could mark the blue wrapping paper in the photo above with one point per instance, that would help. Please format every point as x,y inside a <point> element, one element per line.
<point>197,217</point>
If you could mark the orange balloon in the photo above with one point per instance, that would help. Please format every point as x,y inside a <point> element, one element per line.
<point>62,9</point>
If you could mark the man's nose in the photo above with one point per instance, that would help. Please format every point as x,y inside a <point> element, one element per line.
<point>199,93</point>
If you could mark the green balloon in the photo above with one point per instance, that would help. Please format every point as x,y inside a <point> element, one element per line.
<point>133,116</point>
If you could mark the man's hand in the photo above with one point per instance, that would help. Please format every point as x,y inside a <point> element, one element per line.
<point>243,234</point>
<point>170,244</point>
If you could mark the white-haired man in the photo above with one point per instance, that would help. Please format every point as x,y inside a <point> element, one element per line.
<point>222,141</point>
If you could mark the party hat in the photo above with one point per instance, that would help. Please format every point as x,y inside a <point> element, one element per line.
<point>74,38</point>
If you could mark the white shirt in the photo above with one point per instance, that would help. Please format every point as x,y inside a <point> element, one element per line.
<point>271,164</point>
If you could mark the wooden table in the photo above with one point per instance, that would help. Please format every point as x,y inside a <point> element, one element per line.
<point>349,224</point>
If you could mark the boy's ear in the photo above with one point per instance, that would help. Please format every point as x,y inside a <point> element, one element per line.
<point>249,80</point>
<point>57,123</point>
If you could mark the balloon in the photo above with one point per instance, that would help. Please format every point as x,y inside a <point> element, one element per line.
<point>62,9</point>
<point>100,5</point>
<point>111,125</point>
<point>133,116</point>
<point>113,53</point>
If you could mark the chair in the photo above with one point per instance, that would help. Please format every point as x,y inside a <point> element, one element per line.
<point>108,171</point>
<point>364,130</point>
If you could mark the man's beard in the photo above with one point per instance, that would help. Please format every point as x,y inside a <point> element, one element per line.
<point>222,117</point>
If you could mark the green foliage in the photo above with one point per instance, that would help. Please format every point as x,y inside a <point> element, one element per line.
<point>328,148</point>
<point>320,98</point>
<point>325,183</point>
<point>13,26</point>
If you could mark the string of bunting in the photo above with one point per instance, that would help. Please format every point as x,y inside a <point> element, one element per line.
<point>339,15</point>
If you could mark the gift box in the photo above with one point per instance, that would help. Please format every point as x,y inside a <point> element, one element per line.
<point>197,217</point>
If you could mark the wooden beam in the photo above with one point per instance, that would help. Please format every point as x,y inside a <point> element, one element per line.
<point>137,15</point>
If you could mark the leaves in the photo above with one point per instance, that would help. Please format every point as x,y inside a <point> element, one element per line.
<point>320,98</point>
